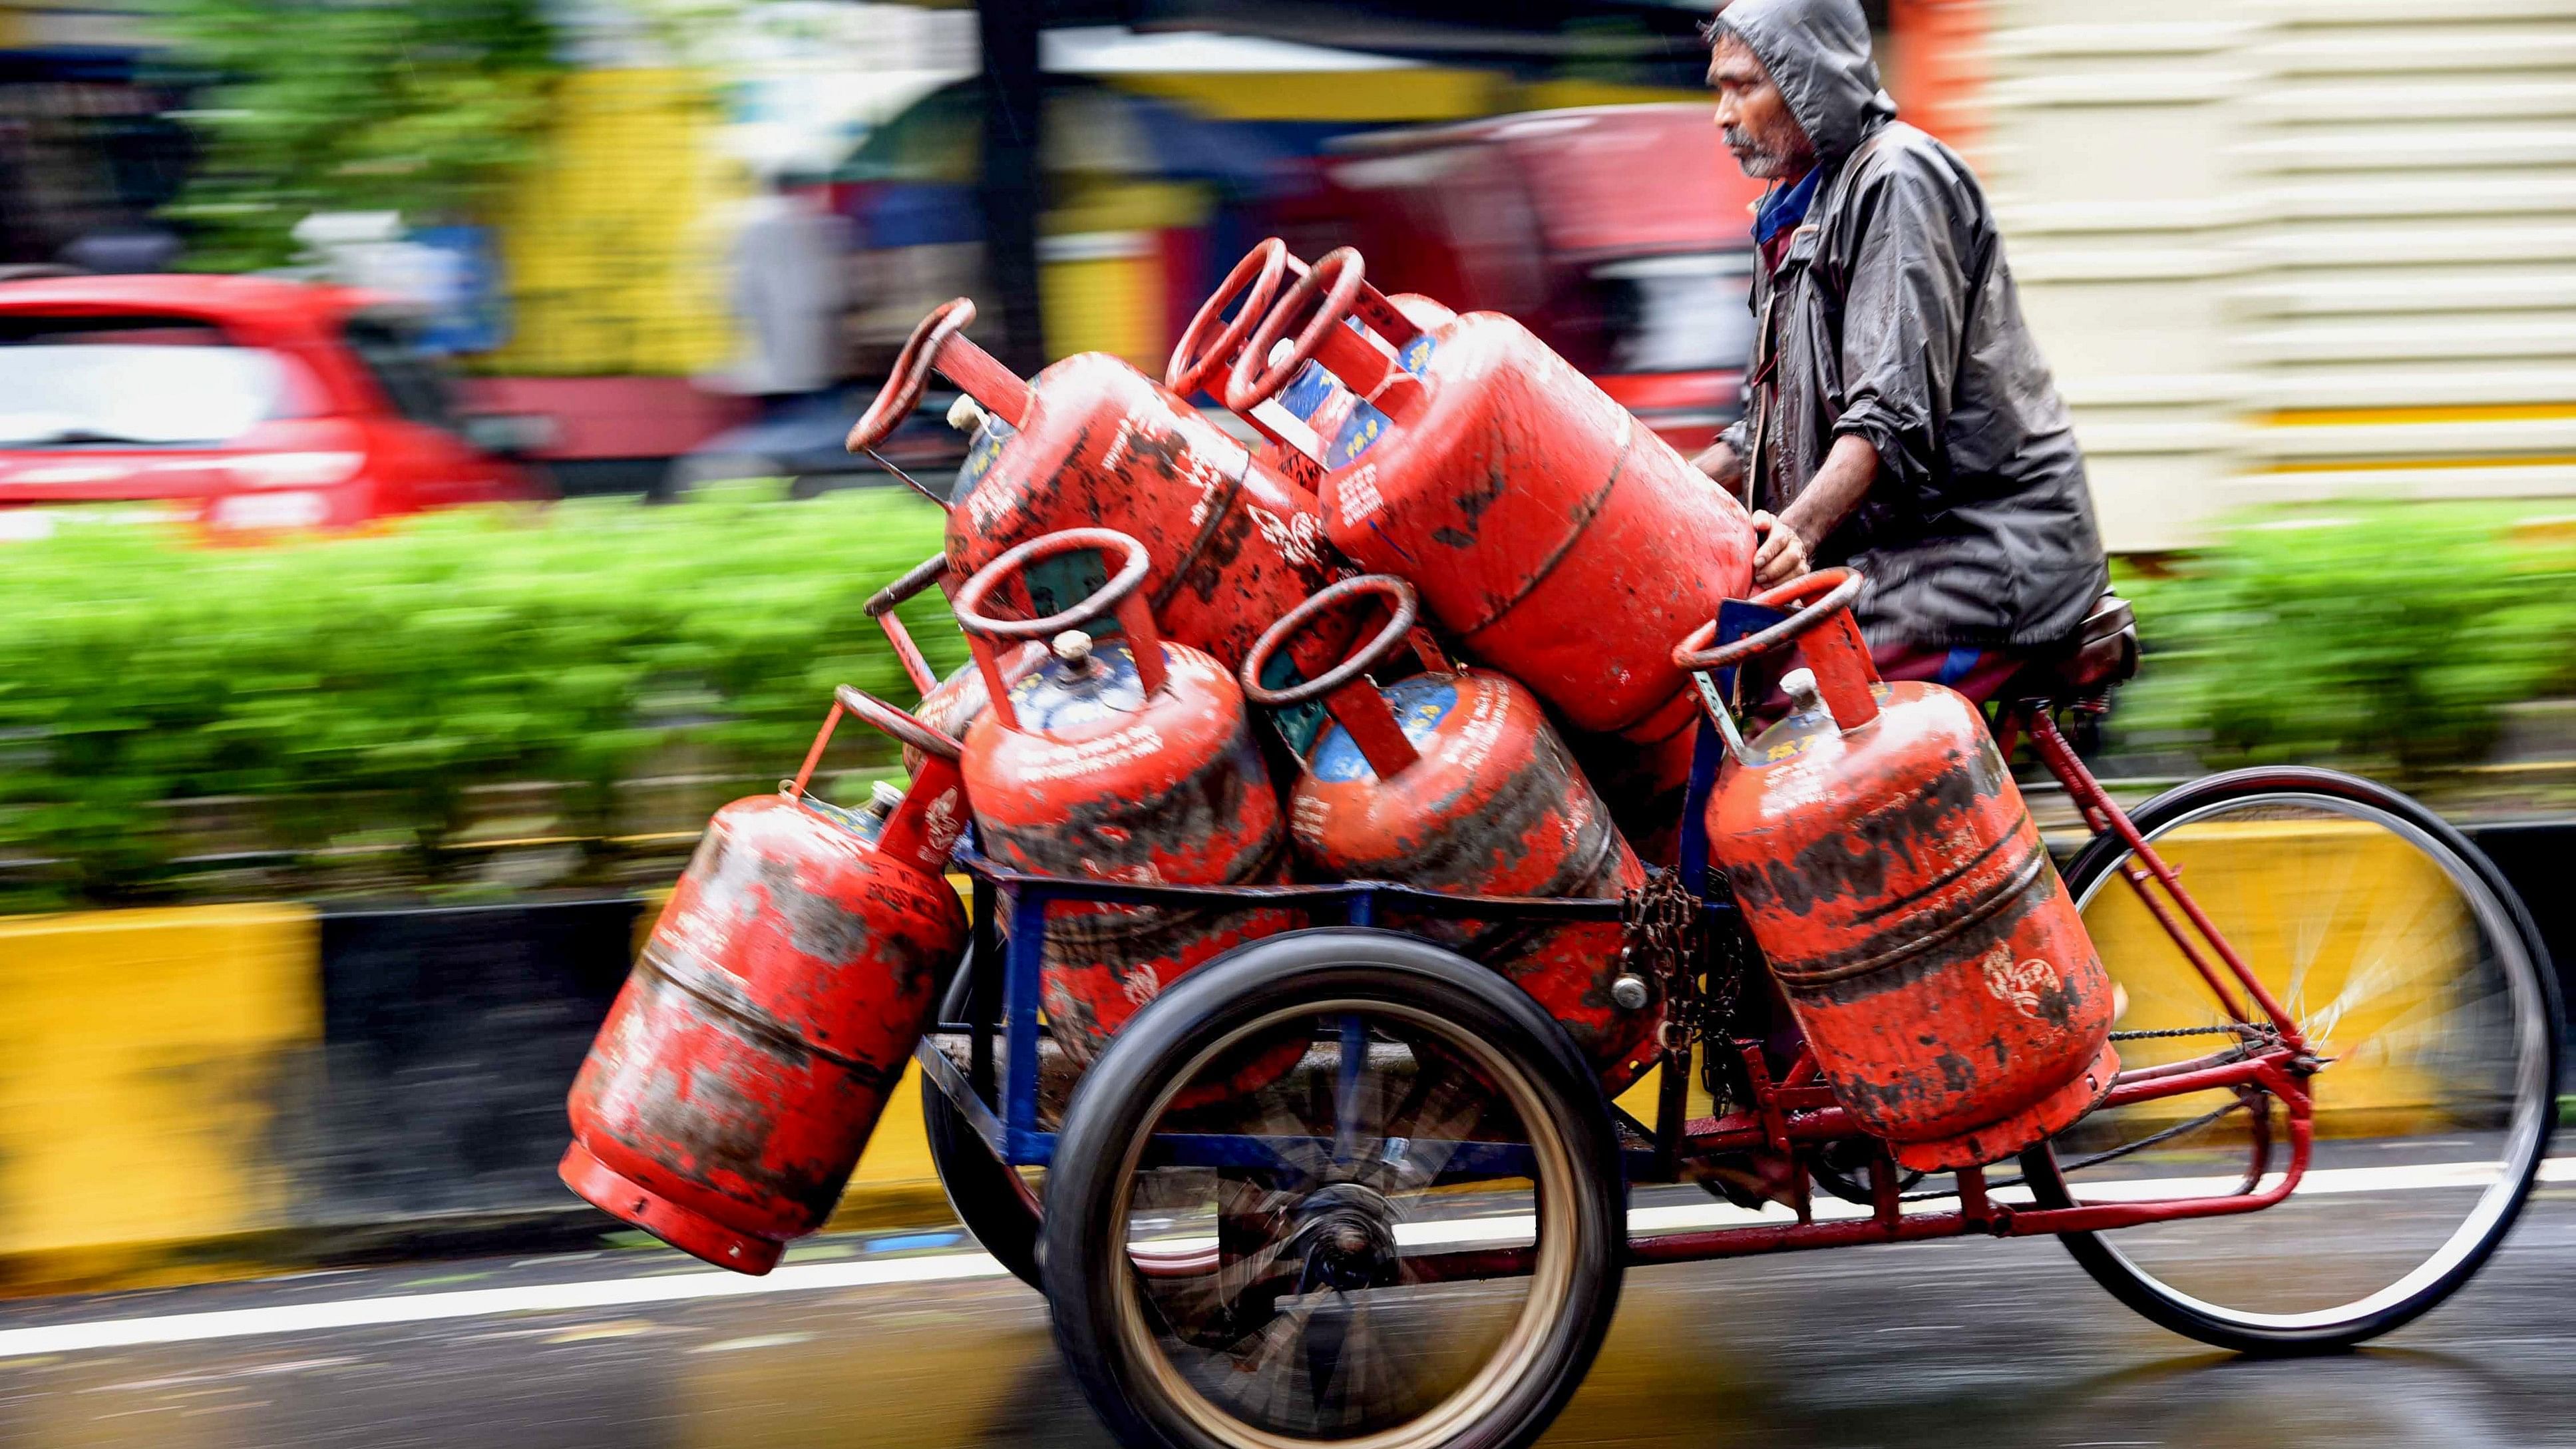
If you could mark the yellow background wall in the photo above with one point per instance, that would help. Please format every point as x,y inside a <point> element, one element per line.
<point>613,244</point>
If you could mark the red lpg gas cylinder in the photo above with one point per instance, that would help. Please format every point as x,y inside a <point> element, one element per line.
<point>1092,441</point>
<point>1128,759</point>
<point>748,1057</point>
<point>1889,871</point>
<point>1554,536</point>
<point>1454,782</point>
<point>1543,525</point>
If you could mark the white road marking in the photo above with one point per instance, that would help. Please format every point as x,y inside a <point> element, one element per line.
<point>483,1302</point>
<point>292,1318</point>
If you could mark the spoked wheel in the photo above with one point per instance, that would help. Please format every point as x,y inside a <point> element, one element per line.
<point>2411,969</point>
<point>1413,1239</point>
<point>998,1203</point>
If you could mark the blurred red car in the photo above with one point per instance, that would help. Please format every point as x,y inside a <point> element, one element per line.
<point>248,404</point>
<point>1621,235</point>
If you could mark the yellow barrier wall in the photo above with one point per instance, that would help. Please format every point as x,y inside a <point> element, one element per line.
<point>147,1055</point>
<point>156,1065</point>
<point>2362,989</point>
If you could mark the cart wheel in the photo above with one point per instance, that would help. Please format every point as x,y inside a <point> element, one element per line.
<point>1415,1237</point>
<point>2411,967</point>
<point>997,1203</point>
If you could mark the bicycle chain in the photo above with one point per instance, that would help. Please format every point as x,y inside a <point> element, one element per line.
<point>2240,1030</point>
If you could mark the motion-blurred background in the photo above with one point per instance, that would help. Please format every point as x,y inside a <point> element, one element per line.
<point>2306,270</point>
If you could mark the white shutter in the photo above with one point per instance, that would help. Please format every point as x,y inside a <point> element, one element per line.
<point>2413,314</point>
<point>2296,249</point>
<point>2123,201</point>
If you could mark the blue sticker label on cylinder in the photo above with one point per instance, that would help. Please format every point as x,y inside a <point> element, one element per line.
<point>1306,392</point>
<point>1357,436</point>
<point>1367,424</point>
<point>981,453</point>
<point>1420,704</point>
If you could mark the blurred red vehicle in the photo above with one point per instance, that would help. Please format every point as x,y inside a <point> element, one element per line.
<point>1621,235</point>
<point>248,404</point>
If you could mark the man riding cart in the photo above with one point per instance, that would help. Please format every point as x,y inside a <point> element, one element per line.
<point>1901,420</point>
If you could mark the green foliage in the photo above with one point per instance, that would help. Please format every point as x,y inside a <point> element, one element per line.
<point>417,106</point>
<point>2388,637</point>
<point>366,684</point>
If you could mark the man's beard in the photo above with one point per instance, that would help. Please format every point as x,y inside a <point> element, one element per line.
<point>1762,163</point>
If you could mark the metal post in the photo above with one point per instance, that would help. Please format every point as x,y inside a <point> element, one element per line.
<point>1020,1014</point>
<point>1014,188</point>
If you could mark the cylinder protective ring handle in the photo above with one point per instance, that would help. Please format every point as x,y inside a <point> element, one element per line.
<point>915,579</point>
<point>902,725</point>
<point>1399,629</point>
<point>1144,640</point>
<point>1337,278</point>
<point>881,605</point>
<point>911,374</point>
<point>1839,588</point>
<point>972,599</point>
<point>1196,362</point>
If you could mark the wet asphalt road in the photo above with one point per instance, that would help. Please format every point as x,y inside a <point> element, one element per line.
<point>1983,1343</point>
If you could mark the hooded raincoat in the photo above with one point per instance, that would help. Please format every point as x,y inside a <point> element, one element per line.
<point>1892,316</point>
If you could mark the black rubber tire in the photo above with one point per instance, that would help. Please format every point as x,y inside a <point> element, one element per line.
<point>1111,1106</point>
<point>2110,1269</point>
<point>984,1193</point>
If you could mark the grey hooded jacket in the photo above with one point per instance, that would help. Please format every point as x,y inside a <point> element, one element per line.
<point>1894,317</point>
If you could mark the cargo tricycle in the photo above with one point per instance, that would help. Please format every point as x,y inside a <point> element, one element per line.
<point>1332,1034</point>
<point>1344,1184</point>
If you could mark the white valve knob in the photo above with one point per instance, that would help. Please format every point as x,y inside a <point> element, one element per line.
<point>1800,686</point>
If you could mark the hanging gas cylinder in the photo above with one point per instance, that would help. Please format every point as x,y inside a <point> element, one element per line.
<point>947,705</point>
<point>1091,441</point>
<point>1453,781</point>
<point>1549,532</point>
<point>1890,873</point>
<point>749,1055</point>
<point>1128,759</point>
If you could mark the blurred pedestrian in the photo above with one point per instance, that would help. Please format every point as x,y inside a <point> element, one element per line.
<point>1901,419</point>
<point>789,290</point>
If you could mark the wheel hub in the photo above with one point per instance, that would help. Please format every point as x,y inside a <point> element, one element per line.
<point>1344,1235</point>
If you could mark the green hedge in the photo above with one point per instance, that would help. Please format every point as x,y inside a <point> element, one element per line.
<point>2386,637</point>
<point>360,687</point>
<point>357,691</point>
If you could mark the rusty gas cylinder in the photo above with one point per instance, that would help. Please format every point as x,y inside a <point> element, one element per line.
<point>1128,758</point>
<point>1453,781</point>
<point>1890,873</point>
<point>1090,441</point>
<point>749,1055</point>
<point>1550,533</point>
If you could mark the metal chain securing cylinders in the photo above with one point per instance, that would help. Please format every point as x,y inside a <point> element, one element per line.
<point>1660,927</point>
